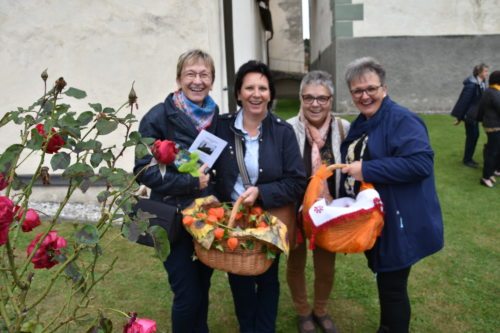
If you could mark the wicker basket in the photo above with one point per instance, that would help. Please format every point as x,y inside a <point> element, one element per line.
<point>241,261</point>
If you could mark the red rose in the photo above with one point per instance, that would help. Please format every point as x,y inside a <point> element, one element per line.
<point>31,220</point>
<point>164,151</point>
<point>6,217</point>
<point>50,247</point>
<point>55,142</point>
<point>3,181</point>
<point>139,325</point>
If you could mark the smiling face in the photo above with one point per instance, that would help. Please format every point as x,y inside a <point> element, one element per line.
<point>316,102</point>
<point>196,81</point>
<point>255,94</point>
<point>367,93</point>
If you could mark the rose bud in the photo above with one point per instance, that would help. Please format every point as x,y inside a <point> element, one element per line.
<point>31,220</point>
<point>164,151</point>
<point>50,247</point>
<point>6,218</point>
<point>55,142</point>
<point>60,84</point>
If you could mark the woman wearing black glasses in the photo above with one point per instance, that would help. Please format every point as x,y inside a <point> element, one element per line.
<point>319,135</point>
<point>389,147</point>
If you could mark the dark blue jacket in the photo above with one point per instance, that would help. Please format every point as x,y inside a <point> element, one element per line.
<point>400,165</point>
<point>175,188</point>
<point>282,178</point>
<point>467,102</point>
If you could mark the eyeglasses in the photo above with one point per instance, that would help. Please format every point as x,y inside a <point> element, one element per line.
<point>309,99</point>
<point>371,91</point>
<point>204,76</point>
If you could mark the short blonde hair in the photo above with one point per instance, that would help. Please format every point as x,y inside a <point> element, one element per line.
<point>192,56</point>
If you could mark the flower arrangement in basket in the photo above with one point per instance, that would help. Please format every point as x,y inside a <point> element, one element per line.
<point>233,238</point>
<point>344,225</point>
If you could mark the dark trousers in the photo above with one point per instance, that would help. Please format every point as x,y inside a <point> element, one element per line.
<point>471,137</point>
<point>491,154</point>
<point>190,283</point>
<point>256,300</point>
<point>395,310</point>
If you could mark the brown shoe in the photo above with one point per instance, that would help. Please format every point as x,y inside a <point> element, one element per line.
<point>325,323</point>
<point>306,324</point>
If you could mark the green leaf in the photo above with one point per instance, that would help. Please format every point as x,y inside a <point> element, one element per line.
<point>60,161</point>
<point>96,159</point>
<point>160,239</point>
<point>96,106</point>
<point>102,196</point>
<point>135,136</point>
<point>108,156</point>
<point>105,126</point>
<point>76,93</point>
<point>148,141</point>
<point>73,272</point>
<point>108,110</point>
<point>85,117</point>
<point>141,151</point>
<point>68,120</point>
<point>10,155</point>
<point>84,185</point>
<point>88,145</point>
<point>87,235</point>
<point>5,119</point>
<point>78,170</point>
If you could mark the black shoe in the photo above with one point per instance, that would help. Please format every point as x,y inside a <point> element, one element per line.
<point>471,164</point>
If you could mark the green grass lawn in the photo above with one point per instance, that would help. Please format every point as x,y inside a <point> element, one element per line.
<point>455,290</point>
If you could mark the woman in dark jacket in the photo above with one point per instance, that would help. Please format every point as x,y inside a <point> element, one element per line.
<point>277,176</point>
<point>388,146</point>
<point>489,115</point>
<point>185,113</point>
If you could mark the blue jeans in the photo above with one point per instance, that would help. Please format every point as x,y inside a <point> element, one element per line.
<point>190,283</point>
<point>471,137</point>
<point>256,300</point>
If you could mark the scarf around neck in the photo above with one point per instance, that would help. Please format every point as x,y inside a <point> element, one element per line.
<point>201,116</point>
<point>316,137</point>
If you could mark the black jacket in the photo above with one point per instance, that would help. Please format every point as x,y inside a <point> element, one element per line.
<point>489,108</point>
<point>468,100</point>
<point>175,188</point>
<point>282,177</point>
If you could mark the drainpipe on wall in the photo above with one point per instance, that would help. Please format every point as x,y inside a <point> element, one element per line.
<point>267,22</point>
<point>229,46</point>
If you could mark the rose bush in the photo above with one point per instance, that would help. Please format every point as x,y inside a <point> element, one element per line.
<point>69,141</point>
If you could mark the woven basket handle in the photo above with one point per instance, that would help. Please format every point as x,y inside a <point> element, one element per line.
<point>234,211</point>
<point>336,166</point>
<point>364,185</point>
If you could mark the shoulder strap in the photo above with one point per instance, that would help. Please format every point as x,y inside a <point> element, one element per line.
<point>170,127</point>
<point>341,129</point>
<point>238,146</point>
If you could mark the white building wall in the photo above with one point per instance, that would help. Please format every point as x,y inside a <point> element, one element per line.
<point>102,47</point>
<point>248,34</point>
<point>321,19</point>
<point>427,18</point>
<point>286,49</point>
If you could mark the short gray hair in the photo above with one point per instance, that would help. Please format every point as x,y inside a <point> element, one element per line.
<point>318,78</point>
<point>362,66</point>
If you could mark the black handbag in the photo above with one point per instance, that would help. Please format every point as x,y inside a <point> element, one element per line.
<point>166,216</point>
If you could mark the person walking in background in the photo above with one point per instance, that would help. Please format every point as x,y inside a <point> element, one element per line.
<point>184,112</point>
<point>319,135</point>
<point>489,114</point>
<point>271,157</point>
<point>388,146</point>
<point>466,110</point>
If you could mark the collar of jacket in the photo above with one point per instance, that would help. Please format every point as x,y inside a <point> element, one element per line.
<point>266,123</point>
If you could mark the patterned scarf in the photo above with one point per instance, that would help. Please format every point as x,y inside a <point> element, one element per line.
<point>317,138</point>
<point>200,116</point>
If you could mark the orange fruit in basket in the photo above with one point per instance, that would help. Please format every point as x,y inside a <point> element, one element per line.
<point>232,243</point>
<point>201,215</point>
<point>212,219</point>
<point>262,224</point>
<point>218,233</point>
<point>187,220</point>
<point>256,210</point>
<point>217,212</point>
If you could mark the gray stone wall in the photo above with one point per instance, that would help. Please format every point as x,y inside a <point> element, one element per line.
<point>423,73</point>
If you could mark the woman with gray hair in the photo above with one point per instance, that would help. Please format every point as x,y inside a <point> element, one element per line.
<point>389,147</point>
<point>319,134</point>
